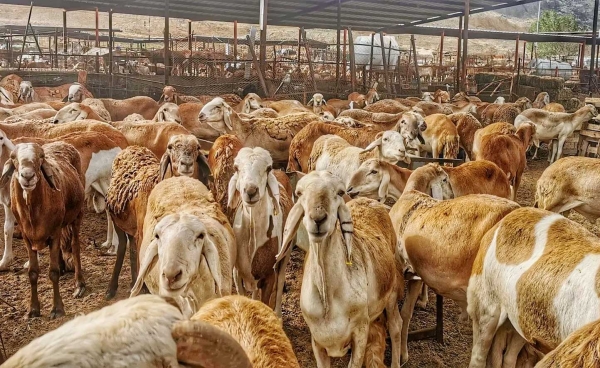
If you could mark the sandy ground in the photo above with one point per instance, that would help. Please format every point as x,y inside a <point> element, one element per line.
<point>17,331</point>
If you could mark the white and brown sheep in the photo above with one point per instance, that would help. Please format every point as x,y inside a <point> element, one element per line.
<point>317,103</point>
<point>27,93</point>
<point>168,112</point>
<point>579,350</point>
<point>466,126</point>
<point>76,111</point>
<point>181,211</point>
<point>440,137</point>
<point>170,95</point>
<point>152,135</point>
<point>358,258</point>
<point>249,104</point>
<point>541,100</point>
<point>502,128</point>
<point>77,93</point>
<point>47,198</point>
<point>538,270</point>
<point>360,100</point>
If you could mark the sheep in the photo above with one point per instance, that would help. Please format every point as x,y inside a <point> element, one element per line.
<point>466,126</point>
<point>189,113</point>
<point>47,198</point>
<point>336,106</point>
<point>250,103</point>
<point>286,107</point>
<point>380,180</point>
<point>570,184</point>
<point>429,243</point>
<point>259,210</point>
<point>499,100</point>
<point>408,102</point>
<point>152,135</point>
<point>231,99</point>
<point>274,135</point>
<point>372,96</point>
<point>503,128</point>
<point>440,136</point>
<point>381,120</point>
<point>427,96</point>
<point>120,109</point>
<point>440,96</point>
<point>168,112</point>
<point>360,100</point>
<point>358,258</point>
<point>508,152</point>
<point>133,117</point>
<point>27,93</point>
<point>135,172</point>
<point>263,112</point>
<point>410,126</point>
<point>77,93</point>
<point>254,326</point>
<point>538,270</point>
<point>9,89</point>
<point>388,106</point>
<point>554,107</point>
<point>542,99</point>
<point>508,112</point>
<point>317,102</point>
<point>23,109</point>
<point>462,97</point>
<point>336,155</point>
<point>579,350</point>
<point>220,161</point>
<point>181,211</point>
<point>170,95</point>
<point>555,125</point>
<point>145,331</point>
<point>75,111</point>
<point>41,114</point>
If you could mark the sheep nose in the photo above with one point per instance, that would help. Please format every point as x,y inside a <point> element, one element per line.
<point>202,116</point>
<point>251,190</point>
<point>27,175</point>
<point>319,218</point>
<point>173,276</point>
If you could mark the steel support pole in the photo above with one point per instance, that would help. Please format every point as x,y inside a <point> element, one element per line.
<point>594,35</point>
<point>167,52</point>
<point>465,45</point>
<point>338,51</point>
<point>458,54</point>
<point>65,38</point>
<point>263,37</point>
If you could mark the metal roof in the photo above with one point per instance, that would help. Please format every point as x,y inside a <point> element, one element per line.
<point>371,15</point>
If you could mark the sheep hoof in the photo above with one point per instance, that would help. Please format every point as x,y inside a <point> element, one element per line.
<point>4,264</point>
<point>422,303</point>
<point>79,292</point>
<point>57,312</point>
<point>34,313</point>
<point>110,294</point>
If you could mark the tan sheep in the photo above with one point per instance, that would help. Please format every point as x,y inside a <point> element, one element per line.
<point>555,107</point>
<point>169,94</point>
<point>580,350</point>
<point>502,128</point>
<point>286,107</point>
<point>509,111</point>
<point>152,135</point>
<point>360,100</point>
<point>220,161</point>
<point>40,114</point>
<point>77,111</point>
<point>467,126</point>
<point>388,106</point>
<point>189,112</point>
<point>120,109</point>
<point>541,100</point>
<point>441,136</point>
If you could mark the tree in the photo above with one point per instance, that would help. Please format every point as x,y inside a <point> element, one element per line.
<point>551,21</point>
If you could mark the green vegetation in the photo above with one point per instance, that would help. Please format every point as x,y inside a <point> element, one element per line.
<point>551,21</point>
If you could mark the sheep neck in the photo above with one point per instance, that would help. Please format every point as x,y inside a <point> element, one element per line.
<point>241,127</point>
<point>326,268</point>
<point>398,181</point>
<point>420,184</point>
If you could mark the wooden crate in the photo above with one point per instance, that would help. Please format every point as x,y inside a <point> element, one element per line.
<point>592,125</point>
<point>571,145</point>
<point>593,101</point>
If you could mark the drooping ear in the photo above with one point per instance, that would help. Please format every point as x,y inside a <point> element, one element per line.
<point>436,192</point>
<point>324,101</point>
<point>351,105</point>
<point>232,192</point>
<point>48,173</point>
<point>151,253</point>
<point>294,177</point>
<point>82,115</point>
<point>161,99</point>
<point>7,171</point>
<point>227,111</point>
<point>247,107</point>
<point>204,172</point>
<point>420,138</point>
<point>376,143</point>
<point>177,99</point>
<point>273,185</point>
<point>211,254</point>
<point>347,228</point>
<point>66,99</point>
<point>289,232</point>
<point>311,102</point>
<point>384,186</point>
<point>165,164</point>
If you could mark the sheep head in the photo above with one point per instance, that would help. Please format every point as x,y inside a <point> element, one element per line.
<point>371,180</point>
<point>169,94</point>
<point>180,241</point>
<point>542,99</point>
<point>427,97</point>
<point>441,96</point>
<point>360,101</point>
<point>28,161</point>
<point>431,179</point>
<point>217,113</point>
<point>500,100</point>
<point>71,112</point>
<point>251,102</point>
<point>591,109</point>
<point>75,93</point>
<point>316,102</point>
<point>411,125</point>
<point>326,116</point>
<point>523,103</point>
<point>253,177</point>
<point>183,151</point>
<point>168,112</point>
<point>25,91</point>
<point>372,96</point>
<point>320,206</point>
<point>391,146</point>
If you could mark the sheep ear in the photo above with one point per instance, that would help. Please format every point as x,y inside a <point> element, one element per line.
<point>82,115</point>
<point>151,253</point>
<point>247,108</point>
<point>204,173</point>
<point>227,116</point>
<point>177,101</point>
<point>66,98</point>
<point>211,254</point>
<point>232,191</point>
<point>376,143</point>
<point>384,185</point>
<point>165,163</point>
<point>289,232</point>
<point>351,105</point>
<point>48,173</point>
<point>311,102</point>
<point>161,99</point>
<point>436,192</point>
<point>273,185</point>
<point>7,172</point>
<point>324,102</point>
<point>347,228</point>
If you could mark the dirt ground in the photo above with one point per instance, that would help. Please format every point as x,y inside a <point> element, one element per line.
<point>17,331</point>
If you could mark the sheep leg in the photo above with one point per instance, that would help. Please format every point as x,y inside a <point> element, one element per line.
<point>114,280</point>
<point>112,239</point>
<point>237,278</point>
<point>423,297</point>
<point>323,360</point>
<point>75,248</point>
<point>394,325</point>
<point>516,186</point>
<point>359,345</point>
<point>133,258</point>
<point>515,344</point>
<point>58,308</point>
<point>414,289</point>
<point>266,289</point>
<point>34,272</point>
<point>9,228</point>
<point>561,143</point>
<point>485,323</point>
<point>280,283</point>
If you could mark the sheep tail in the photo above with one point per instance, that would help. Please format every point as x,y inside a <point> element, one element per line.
<point>451,146</point>
<point>66,239</point>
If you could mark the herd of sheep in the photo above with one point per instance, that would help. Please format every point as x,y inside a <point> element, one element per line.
<point>212,194</point>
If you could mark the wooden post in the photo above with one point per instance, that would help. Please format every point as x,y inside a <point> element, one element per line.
<point>352,64</point>
<point>235,43</point>
<point>261,78</point>
<point>110,42</point>
<point>524,51</point>
<point>25,36</point>
<point>167,53</point>
<point>55,48</point>
<point>581,56</point>
<point>391,77</point>
<point>439,73</point>
<point>12,56</point>
<point>97,29</point>
<point>414,48</point>
<point>344,55</point>
<point>190,47</point>
<point>465,45</point>
<point>516,54</point>
<point>384,62</point>
<point>264,5</point>
<point>371,60</point>
<point>458,54</point>
<point>274,61</point>
<point>299,46</point>
<point>338,56</point>
<point>309,57</point>
<point>65,38</point>
<point>593,56</point>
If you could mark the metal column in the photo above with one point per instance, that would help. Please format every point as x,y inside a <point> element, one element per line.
<point>166,45</point>
<point>594,35</point>
<point>338,40</point>
<point>465,46</point>
<point>264,5</point>
<point>458,63</point>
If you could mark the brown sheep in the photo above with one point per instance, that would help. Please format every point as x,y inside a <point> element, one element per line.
<point>188,112</point>
<point>152,135</point>
<point>580,350</point>
<point>466,125</point>
<point>387,105</point>
<point>503,128</point>
<point>555,107</point>
<point>440,136</point>
<point>360,100</point>
<point>169,94</point>
<point>542,99</point>
<point>508,152</point>
<point>220,161</point>
<point>120,109</point>
<point>509,111</point>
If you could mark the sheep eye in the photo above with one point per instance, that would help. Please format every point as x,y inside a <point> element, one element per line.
<point>170,146</point>
<point>201,236</point>
<point>298,193</point>
<point>1,138</point>
<point>156,236</point>
<point>341,193</point>
<point>373,172</point>
<point>385,139</point>
<point>445,180</point>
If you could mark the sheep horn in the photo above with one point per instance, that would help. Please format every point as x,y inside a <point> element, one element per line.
<point>202,345</point>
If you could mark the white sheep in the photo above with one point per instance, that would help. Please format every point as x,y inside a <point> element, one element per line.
<point>335,154</point>
<point>27,93</point>
<point>191,238</point>
<point>350,273</point>
<point>168,112</point>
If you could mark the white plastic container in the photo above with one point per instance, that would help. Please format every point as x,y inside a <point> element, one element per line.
<point>362,51</point>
